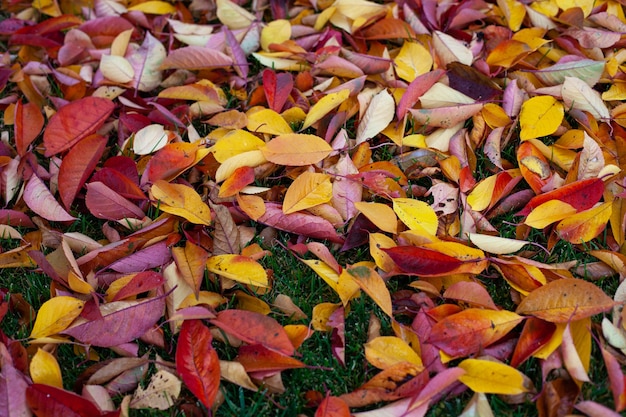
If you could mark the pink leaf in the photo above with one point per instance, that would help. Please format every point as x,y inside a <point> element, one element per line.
<point>104,203</point>
<point>593,409</point>
<point>299,223</point>
<point>121,326</point>
<point>416,89</point>
<point>41,201</point>
<point>13,386</point>
<point>196,58</point>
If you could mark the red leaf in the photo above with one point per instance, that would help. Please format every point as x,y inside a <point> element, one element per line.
<point>77,165</point>
<point>197,362</point>
<point>255,328</point>
<point>582,195</point>
<point>299,223</point>
<point>257,358</point>
<point>74,122</point>
<point>535,334</point>
<point>277,88</point>
<point>28,124</point>
<point>170,161</point>
<point>333,407</point>
<point>119,327</point>
<point>119,182</point>
<point>48,401</point>
<point>420,261</point>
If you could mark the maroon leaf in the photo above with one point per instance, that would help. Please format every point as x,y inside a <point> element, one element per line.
<point>74,122</point>
<point>299,223</point>
<point>197,362</point>
<point>119,182</point>
<point>413,260</point>
<point>254,328</point>
<point>121,326</point>
<point>77,165</point>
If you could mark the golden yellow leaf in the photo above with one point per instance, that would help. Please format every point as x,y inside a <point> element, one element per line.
<point>496,244</point>
<point>251,303</point>
<point>56,315</point>
<point>386,351</point>
<point>180,200</point>
<point>238,268</point>
<point>508,53</point>
<point>296,149</point>
<point>491,377</point>
<point>44,369</point>
<point>324,106</point>
<point>78,284</point>
<point>373,285</point>
<point>252,205</point>
<point>584,226</point>
<point>495,116</point>
<point>586,5</point>
<point>234,143</point>
<point>307,190</point>
<point>416,214</point>
<point>380,214</point>
<point>514,11</point>
<point>267,121</point>
<point>480,197</point>
<point>413,60</point>
<point>379,241</point>
<point>321,314</point>
<point>540,116</point>
<point>548,213</point>
<point>246,159</point>
<point>154,7</point>
<point>276,31</point>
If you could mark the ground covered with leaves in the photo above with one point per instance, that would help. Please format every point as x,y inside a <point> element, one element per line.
<point>324,207</point>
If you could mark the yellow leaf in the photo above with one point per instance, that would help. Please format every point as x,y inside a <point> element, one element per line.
<point>495,116</point>
<point>347,288</point>
<point>309,189</point>
<point>325,106</point>
<point>251,303</point>
<point>321,314</point>
<point>378,241</point>
<point>120,43</point>
<point>491,377</point>
<point>480,197</point>
<point>496,244</point>
<point>416,214</point>
<point>514,12</point>
<point>296,149</point>
<point>540,116</point>
<point>553,344</point>
<point>180,200</point>
<point>373,285</point>
<point>235,142</point>
<point>386,351</point>
<point>238,268</point>
<point>252,205</point>
<point>55,315</point>
<point>276,31</point>
<point>154,7</point>
<point>413,60</point>
<point>78,284</point>
<point>380,214</point>
<point>248,159</point>
<point>44,369</point>
<point>586,5</point>
<point>548,213</point>
<point>267,121</point>
<point>584,226</point>
<point>329,275</point>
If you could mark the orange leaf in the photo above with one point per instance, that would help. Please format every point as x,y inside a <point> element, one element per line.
<point>28,124</point>
<point>296,149</point>
<point>239,179</point>
<point>333,407</point>
<point>565,299</point>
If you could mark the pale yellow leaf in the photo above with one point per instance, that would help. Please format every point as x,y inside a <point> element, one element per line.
<point>416,214</point>
<point>120,43</point>
<point>56,315</point>
<point>440,95</point>
<point>44,369</point>
<point>577,94</point>
<point>250,159</point>
<point>324,106</point>
<point>161,394</point>
<point>450,49</point>
<point>233,371</point>
<point>116,68</point>
<point>495,244</point>
<point>238,268</point>
<point>149,139</point>
<point>491,377</point>
<point>233,16</point>
<point>377,117</point>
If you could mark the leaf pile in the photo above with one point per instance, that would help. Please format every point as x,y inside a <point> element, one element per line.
<point>446,136</point>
